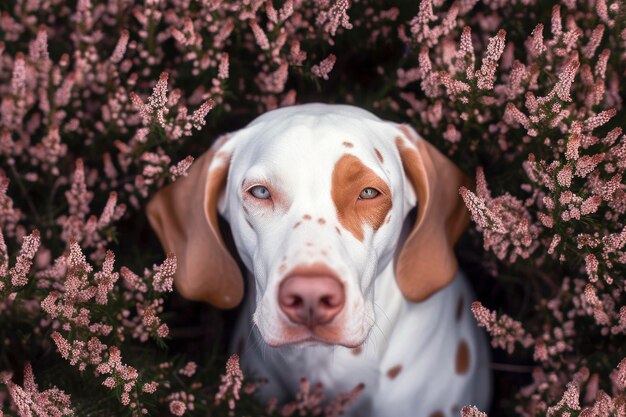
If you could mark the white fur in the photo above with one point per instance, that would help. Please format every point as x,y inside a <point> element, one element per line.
<point>295,149</point>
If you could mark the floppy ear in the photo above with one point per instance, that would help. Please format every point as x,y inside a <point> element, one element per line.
<point>184,217</point>
<point>427,262</point>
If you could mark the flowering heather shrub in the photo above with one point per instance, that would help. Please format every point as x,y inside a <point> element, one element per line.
<point>105,101</point>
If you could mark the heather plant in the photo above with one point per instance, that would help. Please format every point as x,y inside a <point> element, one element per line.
<point>105,101</point>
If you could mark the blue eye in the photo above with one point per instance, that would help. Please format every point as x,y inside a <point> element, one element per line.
<point>260,192</point>
<point>368,193</point>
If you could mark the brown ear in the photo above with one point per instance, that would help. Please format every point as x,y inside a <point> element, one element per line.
<point>427,262</point>
<point>184,217</point>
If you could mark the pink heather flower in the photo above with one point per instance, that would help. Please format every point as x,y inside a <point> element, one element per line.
<point>120,47</point>
<point>535,42</point>
<point>339,405</point>
<point>189,369</point>
<point>231,382</point>
<point>181,168</point>
<point>133,281</point>
<point>78,197</point>
<point>274,82</point>
<point>600,119</point>
<point>590,205</point>
<point>556,239</point>
<point>566,78</point>
<point>259,36</point>
<point>30,402</point>
<point>200,114</point>
<point>572,147</point>
<point>504,331</point>
<point>564,176</point>
<point>158,99</point>
<point>24,260</point>
<point>471,411</point>
<point>591,264</point>
<point>481,214</point>
<point>111,211</point>
<point>105,279</point>
<point>466,59</point>
<point>222,72</point>
<point>486,74</point>
<point>589,50</point>
<point>164,276</point>
<point>150,387</point>
<point>619,377</point>
<point>324,67</point>
<point>18,81</point>
<point>177,408</point>
<point>335,16</point>
<point>570,399</point>
<point>163,330</point>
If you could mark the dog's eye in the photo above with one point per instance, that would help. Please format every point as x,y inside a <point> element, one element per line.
<point>260,192</point>
<point>368,193</point>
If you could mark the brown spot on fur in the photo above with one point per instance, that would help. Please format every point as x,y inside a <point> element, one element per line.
<point>462,361</point>
<point>357,351</point>
<point>321,221</point>
<point>338,231</point>
<point>309,244</point>
<point>378,155</point>
<point>392,373</point>
<point>306,217</point>
<point>324,253</point>
<point>350,177</point>
<point>348,145</point>
<point>295,226</point>
<point>459,309</point>
<point>438,414</point>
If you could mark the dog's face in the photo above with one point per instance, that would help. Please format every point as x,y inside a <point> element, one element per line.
<point>316,197</point>
<point>316,203</point>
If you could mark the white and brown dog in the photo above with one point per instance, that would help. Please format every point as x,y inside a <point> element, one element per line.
<point>342,289</point>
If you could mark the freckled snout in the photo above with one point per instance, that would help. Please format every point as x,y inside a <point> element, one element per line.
<point>311,300</point>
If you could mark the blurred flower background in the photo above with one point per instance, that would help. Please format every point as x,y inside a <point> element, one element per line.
<point>105,101</point>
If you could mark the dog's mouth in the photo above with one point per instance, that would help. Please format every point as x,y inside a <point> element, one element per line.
<point>305,337</point>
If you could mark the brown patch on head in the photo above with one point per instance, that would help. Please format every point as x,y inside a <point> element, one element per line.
<point>437,414</point>
<point>348,144</point>
<point>378,155</point>
<point>350,177</point>
<point>459,309</point>
<point>462,360</point>
<point>357,351</point>
<point>307,217</point>
<point>295,226</point>
<point>321,221</point>
<point>393,372</point>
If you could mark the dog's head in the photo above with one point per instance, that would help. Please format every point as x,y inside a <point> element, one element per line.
<point>316,196</point>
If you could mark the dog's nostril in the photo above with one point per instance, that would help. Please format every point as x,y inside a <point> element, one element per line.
<point>295,301</point>
<point>328,301</point>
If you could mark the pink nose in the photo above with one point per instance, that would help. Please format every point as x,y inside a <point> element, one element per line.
<point>311,300</point>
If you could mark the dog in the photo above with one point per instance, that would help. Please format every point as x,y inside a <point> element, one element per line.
<point>346,224</point>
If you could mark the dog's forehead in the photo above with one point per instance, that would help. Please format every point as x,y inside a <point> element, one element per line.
<point>314,135</point>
